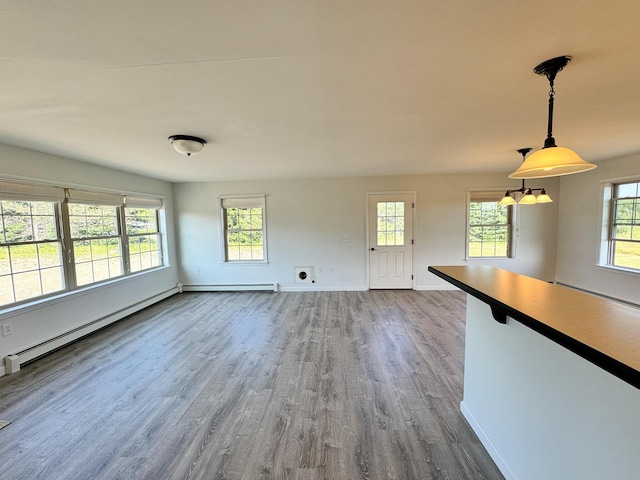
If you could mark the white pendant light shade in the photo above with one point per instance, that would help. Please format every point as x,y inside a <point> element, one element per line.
<point>551,162</point>
<point>543,197</point>
<point>186,144</point>
<point>507,200</point>
<point>528,199</point>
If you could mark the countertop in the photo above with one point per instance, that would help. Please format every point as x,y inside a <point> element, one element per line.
<point>605,332</point>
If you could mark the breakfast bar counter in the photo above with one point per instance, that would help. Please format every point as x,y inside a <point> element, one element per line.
<point>552,376</point>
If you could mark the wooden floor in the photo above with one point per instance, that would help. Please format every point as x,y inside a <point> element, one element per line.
<point>309,385</point>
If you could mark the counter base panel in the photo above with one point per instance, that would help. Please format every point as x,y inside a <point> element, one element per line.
<point>542,411</point>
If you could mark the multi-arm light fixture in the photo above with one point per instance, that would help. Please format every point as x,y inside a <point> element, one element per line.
<point>527,196</point>
<point>551,160</point>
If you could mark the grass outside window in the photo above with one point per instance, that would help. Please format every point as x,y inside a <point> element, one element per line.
<point>624,233</point>
<point>103,240</point>
<point>489,227</point>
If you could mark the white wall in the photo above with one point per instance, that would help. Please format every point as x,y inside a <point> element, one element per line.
<point>307,218</point>
<point>47,319</point>
<point>579,225</point>
<point>543,412</point>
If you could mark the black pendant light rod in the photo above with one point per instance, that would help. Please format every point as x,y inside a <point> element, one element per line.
<point>550,141</point>
<point>523,152</point>
<point>550,68</point>
<point>526,193</point>
<point>523,189</point>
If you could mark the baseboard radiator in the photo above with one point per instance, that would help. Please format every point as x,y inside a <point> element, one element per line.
<point>13,362</point>
<point>608,297</point>
<point>232,287</point>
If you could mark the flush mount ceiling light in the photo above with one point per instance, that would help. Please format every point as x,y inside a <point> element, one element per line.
<point>527,196</point>
<point>186,144</point>
<point>551,160</point>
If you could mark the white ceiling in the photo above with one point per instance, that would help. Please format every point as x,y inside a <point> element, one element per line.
<point>300,89</point>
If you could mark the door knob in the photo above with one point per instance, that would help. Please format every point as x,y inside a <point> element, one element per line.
<point>372,249</point>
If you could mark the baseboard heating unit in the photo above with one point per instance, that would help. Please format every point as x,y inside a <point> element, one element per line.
<point>232,287</point>
<point>608,297</point>
<point>13,362</point>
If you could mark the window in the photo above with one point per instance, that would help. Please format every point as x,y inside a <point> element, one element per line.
<point>49,244</point>
<point>30,242</point>
<point>490,226</point>
<point>624,226</point>
<point>143,238</point>
<point>30,251</point>
<point>390,223</point>
<point>96,235</point>
<point>244,226</point>
<point>97,246</point>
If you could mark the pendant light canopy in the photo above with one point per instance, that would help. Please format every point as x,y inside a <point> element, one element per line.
<point>551,160</point>
<point>186,144</point>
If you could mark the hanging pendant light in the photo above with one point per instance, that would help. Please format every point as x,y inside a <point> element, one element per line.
<point>551,160</point>
<point>528,197</point>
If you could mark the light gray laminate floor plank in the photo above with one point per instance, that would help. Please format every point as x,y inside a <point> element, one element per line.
<point>252,385</point>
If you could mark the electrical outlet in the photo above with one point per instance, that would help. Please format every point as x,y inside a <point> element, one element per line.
<point>7,329</point>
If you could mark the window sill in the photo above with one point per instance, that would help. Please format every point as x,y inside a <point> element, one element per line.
<point>489,259</point>
<point>247,263</point>
<point>622,270</point>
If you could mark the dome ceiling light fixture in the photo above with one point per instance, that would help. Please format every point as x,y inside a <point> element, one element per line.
<point>527,196</point>
<point>186,144</point>
<point>551,160</point>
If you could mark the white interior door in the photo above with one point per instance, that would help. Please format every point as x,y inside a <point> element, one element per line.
<point>391,240</point>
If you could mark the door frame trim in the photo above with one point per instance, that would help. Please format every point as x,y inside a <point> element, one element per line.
<point>414,215</point>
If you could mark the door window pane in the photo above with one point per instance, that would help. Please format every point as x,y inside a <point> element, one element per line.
<point>390,224</point>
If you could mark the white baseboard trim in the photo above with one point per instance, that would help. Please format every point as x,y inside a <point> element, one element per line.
<point>275,287</point>
<point>488,444</point>
<point>318,288</point>
<point>47,346</point>
<point>436,287</point>
<point>231,287</point>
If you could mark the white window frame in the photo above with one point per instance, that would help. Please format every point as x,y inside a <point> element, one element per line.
<point>89,198</point>
<point>60,197</point>
<point>491,194</point>
<point>54,196</point>
<point>605,255</point>
<point>146,203</point>
<point>242,201</point>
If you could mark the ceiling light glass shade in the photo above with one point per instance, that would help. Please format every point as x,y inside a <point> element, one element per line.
<point>528,199</point>
<point>507,200</point>
<point>543,198</point>
<point>552,162</point>
<point>186,144</point>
